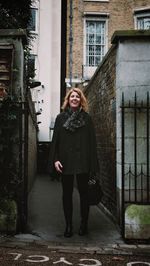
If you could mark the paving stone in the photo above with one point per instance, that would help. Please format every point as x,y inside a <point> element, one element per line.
<point>144,246</point>
<point>128,246</point>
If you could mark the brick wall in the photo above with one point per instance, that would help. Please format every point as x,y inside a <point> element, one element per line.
<point>101,97</point>
<point>77,42</point>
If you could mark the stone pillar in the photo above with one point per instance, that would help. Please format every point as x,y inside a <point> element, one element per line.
<point>132,76</point>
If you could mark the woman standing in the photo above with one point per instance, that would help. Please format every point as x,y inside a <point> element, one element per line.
<point>73,153</point>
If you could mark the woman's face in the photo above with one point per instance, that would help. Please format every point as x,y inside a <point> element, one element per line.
<point>74,100</point>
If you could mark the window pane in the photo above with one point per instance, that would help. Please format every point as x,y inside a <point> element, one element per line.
<point>98,50</point>
<point>87,60</point>
<point>31,65</point>
<point>97,60</point>
<point>32,25</point>
<point>87,38</point>
<point>98,28</point>
<point>98,39</point>
<point>147,23</point>
<point>102,50</point>
<point>95,40</point>
<point>87,49</point>
<point>91,61</point>
<point>91,27</point>
<point>91,38</point>
<point>103,28</point>
<point>103,39</point>
<point>143,23</point>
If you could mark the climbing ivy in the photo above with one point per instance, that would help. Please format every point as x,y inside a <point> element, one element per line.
<point>9,140</point>
<point>15,14</point>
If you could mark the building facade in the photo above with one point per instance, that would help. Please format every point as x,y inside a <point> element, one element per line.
<point>71,37</point>
<point>45,28</point>
<point>90,26</point>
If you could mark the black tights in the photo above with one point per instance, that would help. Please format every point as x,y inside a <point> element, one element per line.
<point>67,185</point>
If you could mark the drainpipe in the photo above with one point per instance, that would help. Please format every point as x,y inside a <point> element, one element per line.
<point>70,42</point>
<point>26,138</point>
<point>63,48</point>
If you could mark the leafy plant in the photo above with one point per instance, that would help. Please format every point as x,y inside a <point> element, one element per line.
<point>15,14</point>
<point>9,138</point>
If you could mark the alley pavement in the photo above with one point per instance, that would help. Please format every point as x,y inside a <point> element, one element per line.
<point>46,225</point>
<point>46,218</point>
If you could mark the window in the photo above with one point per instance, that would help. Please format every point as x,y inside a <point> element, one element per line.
<point>6,61</point>
<point>143,23</point>
<point>95,42</point>
<point>31,65</point>
<point>33,22</point>
<point>142,19</point>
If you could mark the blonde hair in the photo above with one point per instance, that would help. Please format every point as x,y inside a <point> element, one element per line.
<point>84,103</point>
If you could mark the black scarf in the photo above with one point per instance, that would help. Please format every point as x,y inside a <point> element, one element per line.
<point>75,119</point>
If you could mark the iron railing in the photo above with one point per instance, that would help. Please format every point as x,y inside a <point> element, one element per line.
<point>135,147</point>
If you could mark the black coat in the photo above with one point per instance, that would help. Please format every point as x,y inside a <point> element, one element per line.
<point>75,150</point>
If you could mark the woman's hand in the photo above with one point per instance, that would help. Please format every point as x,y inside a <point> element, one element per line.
<point>58,166</point>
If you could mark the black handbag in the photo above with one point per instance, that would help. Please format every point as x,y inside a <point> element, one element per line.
<point>94,191</point>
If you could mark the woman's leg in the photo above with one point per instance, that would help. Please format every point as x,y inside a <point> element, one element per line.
<point>67,186</point>
<point>82,182</point>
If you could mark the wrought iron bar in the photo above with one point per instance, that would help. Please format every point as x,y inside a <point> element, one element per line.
<point>135,146</point>
<point>133,107</point>
<point>20,141</point>
<point>130,182</point>
<point>136,189</point>
<point>147,146</point>
<point>25,196</point>
<point>123,175</point>
<point>142,190</point>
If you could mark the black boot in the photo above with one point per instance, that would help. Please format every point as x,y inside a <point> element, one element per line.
<point>68,232</point>
<point>83,229</point>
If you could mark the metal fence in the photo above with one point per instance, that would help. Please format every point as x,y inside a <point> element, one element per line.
<point>135,152</point>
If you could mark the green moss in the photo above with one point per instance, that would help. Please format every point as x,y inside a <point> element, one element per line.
<point>8,215</point>
<point>139,213</point>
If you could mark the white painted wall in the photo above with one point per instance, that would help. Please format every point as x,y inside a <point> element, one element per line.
<point>47,47</point>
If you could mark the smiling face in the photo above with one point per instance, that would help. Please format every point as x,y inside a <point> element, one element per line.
<point>74,100</point>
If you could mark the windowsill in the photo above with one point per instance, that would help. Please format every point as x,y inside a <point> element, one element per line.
<point>34,32</point>
<point>96,0</point>
<point>96,14</point>
<point>141,10</point>
<point>88,72</point>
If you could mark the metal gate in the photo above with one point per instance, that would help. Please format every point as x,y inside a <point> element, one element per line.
<point>135,153</point>
<point>14,156</point>
<point>23,165</point>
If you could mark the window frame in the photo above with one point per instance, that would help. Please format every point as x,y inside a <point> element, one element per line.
<point>95,18</point>
<point>141,13</point>
<point>33,57</point>
<point>36,21</point>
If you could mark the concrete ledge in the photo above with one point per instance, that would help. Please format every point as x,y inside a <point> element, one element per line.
<point>14,33</point>
<point>130,34</point>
